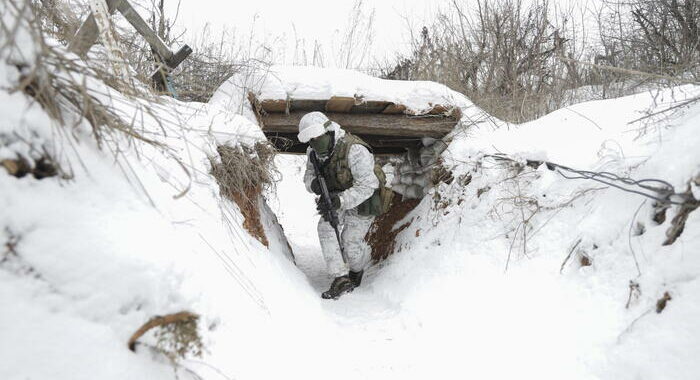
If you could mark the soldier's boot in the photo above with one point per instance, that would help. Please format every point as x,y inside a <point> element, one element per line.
<point>356,277</point>
<point>340,286</point>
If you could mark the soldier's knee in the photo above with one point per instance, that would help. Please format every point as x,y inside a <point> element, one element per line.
<point>323,227</point>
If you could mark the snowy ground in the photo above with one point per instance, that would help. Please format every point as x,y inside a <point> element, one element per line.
<point>466,295</point>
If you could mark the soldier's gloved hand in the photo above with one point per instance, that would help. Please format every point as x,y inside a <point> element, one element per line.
<point>316,186</point>
<point>335,201</point>
<point>321,204</point>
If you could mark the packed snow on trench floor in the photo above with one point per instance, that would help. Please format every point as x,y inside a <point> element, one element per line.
<point>90,259</point>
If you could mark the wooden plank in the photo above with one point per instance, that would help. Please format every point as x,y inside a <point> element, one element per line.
<point>370,124</point>
<point>160,75</point>
<point>391,141</point>
<point>307,105</point>
<point>276,105</point>
<point>87,34</point>
<point>340,104</point>
<point>393,109</point>
<point>438,109</point>
<point>100,13</point>
<point>287,143</point>
<point>369,107</point>
<point>140,25</point>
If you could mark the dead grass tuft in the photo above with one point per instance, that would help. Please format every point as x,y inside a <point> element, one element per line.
<point>177,335</point>
<point>242,173</point>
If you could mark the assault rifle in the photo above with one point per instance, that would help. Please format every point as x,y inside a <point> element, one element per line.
<point>329,213</point>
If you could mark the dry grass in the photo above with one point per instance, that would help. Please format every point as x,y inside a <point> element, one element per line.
<point>242,173</point>
<point>69,89</point>
<point>177,335</point>
<point>123,114</point>
<point>180,340</point>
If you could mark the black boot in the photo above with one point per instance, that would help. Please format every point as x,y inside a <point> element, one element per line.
<point>340,285</point>
<point>356,277</point>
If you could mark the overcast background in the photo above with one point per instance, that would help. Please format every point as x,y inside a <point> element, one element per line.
<point>280,24</point>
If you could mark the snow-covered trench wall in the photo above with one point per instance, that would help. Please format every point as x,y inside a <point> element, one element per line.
<point>105,226</point>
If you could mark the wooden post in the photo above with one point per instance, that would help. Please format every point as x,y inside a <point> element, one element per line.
<point>88,32</point>
<point>92,28</point>
<point>140,25</point>
<point>87,35</point>
<point>100,13</point>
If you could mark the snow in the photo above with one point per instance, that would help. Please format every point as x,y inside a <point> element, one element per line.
<point>464,295</point>
<point>313,83</point>
<point>445,305</point>
<point>569,135</point>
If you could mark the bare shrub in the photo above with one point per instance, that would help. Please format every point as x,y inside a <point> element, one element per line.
<point>214,59</point>
<point>660,37</point>
<point>357,38</point>
<point>502,54</point>
<point>57,19</point>
<point>518,60</point>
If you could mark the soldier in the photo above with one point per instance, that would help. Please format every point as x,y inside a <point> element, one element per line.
<point>357,193</point>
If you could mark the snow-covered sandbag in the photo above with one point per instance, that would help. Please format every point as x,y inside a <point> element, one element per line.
<point>401,189</point>
<point>407,179</point>
<point>414,191</point>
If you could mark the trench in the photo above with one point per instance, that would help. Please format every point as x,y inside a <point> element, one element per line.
<point>296,211</point>
<point>385,333</point>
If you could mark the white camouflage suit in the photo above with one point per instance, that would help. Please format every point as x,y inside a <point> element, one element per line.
<point>353,226</point>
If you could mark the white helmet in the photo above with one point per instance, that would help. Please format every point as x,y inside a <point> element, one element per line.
<point>312,125</point>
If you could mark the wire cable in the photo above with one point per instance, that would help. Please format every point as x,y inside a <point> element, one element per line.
<point>663,192</point>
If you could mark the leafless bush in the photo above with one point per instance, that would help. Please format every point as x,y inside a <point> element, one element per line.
<point>213,61</point>
<point>357,38</point>
<point>660,37</point>
<point>502,54</point>
<point>57,19</point>
<point>519,60</point>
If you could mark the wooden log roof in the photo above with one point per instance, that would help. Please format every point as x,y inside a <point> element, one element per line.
<point>388,127</point>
